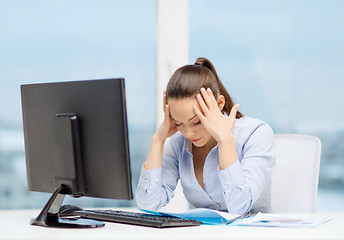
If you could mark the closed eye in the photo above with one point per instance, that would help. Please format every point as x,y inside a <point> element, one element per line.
<point>178,125</point>
<point>197,123</point>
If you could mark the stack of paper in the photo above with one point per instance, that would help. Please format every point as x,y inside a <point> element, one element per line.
<point>212,217</point>
<point>280,220</point>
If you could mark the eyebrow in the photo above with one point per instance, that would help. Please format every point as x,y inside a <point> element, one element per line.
<point>192,118</point>
<point>188,120</point>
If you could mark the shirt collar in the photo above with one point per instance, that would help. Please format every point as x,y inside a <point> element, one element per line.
<point>187,146</point>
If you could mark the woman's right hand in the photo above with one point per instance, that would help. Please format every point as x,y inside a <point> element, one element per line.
<point>168,127</point>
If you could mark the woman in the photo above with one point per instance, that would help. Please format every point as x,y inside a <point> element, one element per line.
<point>223,159</point>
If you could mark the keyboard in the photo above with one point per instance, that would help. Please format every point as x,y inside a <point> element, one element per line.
<point>141,219</point>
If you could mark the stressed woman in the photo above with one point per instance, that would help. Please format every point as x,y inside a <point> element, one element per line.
<point>223,159</point>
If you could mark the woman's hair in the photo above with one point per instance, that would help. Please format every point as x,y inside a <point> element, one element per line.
<point>188,80</point>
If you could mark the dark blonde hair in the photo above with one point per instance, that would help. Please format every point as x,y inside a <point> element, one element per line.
<point>188,80</point>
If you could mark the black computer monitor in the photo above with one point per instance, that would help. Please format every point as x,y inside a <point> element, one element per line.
<point>76,142</point>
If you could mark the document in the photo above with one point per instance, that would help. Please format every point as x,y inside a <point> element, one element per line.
<point>204,215</point>
<point>280,220</point>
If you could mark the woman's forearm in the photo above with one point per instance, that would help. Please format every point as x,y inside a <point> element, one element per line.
<point>227,152</point>
<point>154,158</point>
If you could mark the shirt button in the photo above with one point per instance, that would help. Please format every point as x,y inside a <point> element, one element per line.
<point>156,180</point>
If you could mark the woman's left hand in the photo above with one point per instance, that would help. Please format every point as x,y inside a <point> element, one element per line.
<point>217,124</point>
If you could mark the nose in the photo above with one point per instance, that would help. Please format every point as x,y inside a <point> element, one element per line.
<point>189,132</point>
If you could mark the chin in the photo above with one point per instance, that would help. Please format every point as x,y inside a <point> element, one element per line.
<point>199,144</point>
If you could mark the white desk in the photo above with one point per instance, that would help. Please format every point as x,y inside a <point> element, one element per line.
<point>14,224</point>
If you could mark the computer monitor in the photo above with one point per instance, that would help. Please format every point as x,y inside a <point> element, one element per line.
<point>76,143</point>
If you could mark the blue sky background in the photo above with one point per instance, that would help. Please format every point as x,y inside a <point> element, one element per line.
<point>49,41</point>
<point>46,41</point>
<point>283,61</point>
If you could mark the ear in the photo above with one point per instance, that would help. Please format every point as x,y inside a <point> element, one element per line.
<point>221,102</point>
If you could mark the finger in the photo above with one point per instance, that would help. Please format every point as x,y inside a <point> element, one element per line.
<point>199,114</point>
<point>234,111</point>
<point>206,98</point>
<point>212,98</point>
<point>164,99</point>
<point>167,112</point>
<point>202,104</point>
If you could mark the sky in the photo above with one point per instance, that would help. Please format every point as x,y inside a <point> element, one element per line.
<point>281,60</point>
<point>47,41</point>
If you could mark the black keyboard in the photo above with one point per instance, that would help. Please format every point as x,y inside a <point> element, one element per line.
<point>135,218</point>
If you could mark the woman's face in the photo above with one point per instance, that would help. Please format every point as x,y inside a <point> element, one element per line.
<point>187,122</point>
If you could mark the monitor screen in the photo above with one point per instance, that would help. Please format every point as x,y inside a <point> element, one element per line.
<point>76,135</point>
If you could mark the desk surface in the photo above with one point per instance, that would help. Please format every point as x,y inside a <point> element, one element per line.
<point>14,224</point>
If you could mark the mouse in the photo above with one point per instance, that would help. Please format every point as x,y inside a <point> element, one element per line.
<point>68,210</point>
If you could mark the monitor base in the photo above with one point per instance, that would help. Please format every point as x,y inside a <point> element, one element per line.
<point>68,223</point>
<point>49,216</point>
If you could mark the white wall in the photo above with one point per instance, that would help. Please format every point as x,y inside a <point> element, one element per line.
<point>172,53</point>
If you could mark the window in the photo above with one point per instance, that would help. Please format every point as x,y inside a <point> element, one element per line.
<point>48,41</point>
<point>283,62</point>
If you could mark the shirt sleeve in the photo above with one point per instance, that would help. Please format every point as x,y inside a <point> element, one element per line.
<point>244,180</point>
<point>156,186</point>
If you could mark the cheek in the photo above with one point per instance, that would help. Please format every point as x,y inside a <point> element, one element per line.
<point>202,130</point>
<point>181,129</point>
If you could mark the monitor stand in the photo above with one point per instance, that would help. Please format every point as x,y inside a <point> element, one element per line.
<point>49,216</point>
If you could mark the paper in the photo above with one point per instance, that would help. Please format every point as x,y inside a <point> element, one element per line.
<point>280,220</point>
<point>204,215</point>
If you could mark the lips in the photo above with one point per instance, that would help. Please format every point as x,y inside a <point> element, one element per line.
<point>195,140</point>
